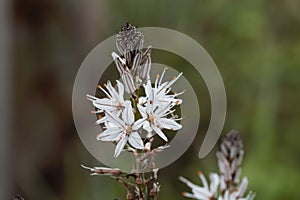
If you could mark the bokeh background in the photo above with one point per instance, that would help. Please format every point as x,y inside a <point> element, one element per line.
<point>255,44</point>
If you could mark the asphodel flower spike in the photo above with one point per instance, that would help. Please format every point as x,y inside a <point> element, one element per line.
<point>226,185</point>
<point>131,121</point>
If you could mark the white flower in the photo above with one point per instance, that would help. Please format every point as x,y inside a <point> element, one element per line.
<point>121,131</point>
<point>113,103</point>
<point>211,192</point>
<point>157,105</point>
<point>206,192</point>
<point>155,115</point>
<point>234,196</point>
<point>239,193</point>
<point>162,90</point>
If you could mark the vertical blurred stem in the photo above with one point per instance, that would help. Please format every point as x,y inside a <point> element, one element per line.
<point>265,115</point>
<point>5,107</point>
<point>134,167</point>
<point>144,181</point>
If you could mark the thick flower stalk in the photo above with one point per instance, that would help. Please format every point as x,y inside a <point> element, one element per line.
<point>132,124</point>
<point>226,185</point>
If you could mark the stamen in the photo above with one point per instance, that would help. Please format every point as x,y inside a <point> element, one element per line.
<point>114,118</point>
<point>91,98</point>
<point>169,113</point>
<point>111,105</point>
<point>177,119</point>
<point>156,81</point>
<point>96,112</point>
<point>116,56</point>
<point>199,172</point>
<point>162,75</point>
<point>162,110</point>
<point>179,93</point>
<point>170,83</point>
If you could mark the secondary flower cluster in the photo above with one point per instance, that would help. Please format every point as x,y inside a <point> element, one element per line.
<point>124,120</point>
<point>226,185</point>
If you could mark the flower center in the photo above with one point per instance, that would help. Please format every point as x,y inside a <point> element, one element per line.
<point>151,119</point>
<point>128,130</point>
<point>119,106</point>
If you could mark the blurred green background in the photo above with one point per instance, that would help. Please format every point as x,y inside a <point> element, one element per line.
<point>255,44</point>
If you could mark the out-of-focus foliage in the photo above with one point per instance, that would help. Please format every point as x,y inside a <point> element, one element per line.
<point>255,44</point>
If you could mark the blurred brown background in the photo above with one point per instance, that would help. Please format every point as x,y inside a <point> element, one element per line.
<point>256,45</point>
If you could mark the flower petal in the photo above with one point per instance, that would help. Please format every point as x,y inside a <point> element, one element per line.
<point>138,124</point>
<point>151,102</point>
<point>101,120</point>
<point>198,192</point>
<point>113,91</point>
<point>148,88</point>
<point>136,141</point>
<point>111,134</point>
<point>114,119</point>
<point>169,124</point>
<point>128,115</point>
<point>163,109</point>
<point>159,132</point>
<point>203,179</point>
<point>121,91</point>
<point>142,100</point>
<point>142,110</point>
<point>104,104</point>
<point>147,127</point>
<point>214,182</point>
<point>120,145</point>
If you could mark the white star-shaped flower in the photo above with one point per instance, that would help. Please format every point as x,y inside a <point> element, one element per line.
<point>122,131</point>
<point>238,194</point>
<point>162,91</point>
<point>154,115</point>
<point>113,103</point>
<point>206,192</point>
